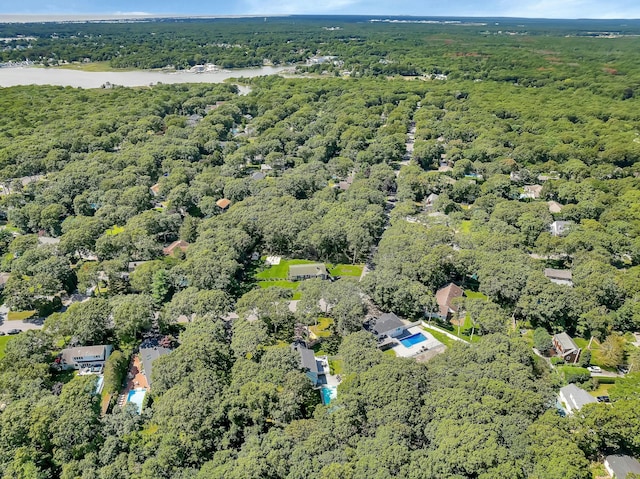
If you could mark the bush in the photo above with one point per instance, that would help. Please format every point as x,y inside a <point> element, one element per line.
<point>115,370</point>
<point>556,360</point>
<point>573,374</point>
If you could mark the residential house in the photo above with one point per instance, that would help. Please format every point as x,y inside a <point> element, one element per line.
<point>566,348</point>
<point>299,272</point>
<point>560,228</point>
<point>445,297</point>
<point>554,207</point>
<point>573,398</point>
<point>388,325</point>
<point>223,203</point>
<point>150,350</point>
<point>155,189</point>
<point>47,240</point>
<point>621,466</point>
<point>532,191</point>
<point>193,120</point>
<point>314,369</point>
<point>132,265</point>
<point>176,245</point>
<point>559,276</point>
<point>258,175</point>
<point>430,201</point>
<point>82,357</point>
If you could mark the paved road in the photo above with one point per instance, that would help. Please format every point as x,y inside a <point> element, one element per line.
<point>6,325</point>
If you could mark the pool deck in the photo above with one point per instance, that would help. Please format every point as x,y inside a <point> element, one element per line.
<point>430,343</point>
<point>135,380</point>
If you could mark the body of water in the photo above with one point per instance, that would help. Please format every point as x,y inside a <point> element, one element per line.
<point>77,78</point>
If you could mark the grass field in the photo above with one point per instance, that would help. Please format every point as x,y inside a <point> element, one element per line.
<point>280,271</point>
<point>443,338</point>
<point>3,344</point>
<point>476,295</point>
<point>346,270</point>
<point>20,315</point>
<point>322,329</point>
<point>603,390</point>
<point>465,227</point>
<point>293,285</point>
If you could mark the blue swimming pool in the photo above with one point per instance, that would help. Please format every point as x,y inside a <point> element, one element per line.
<point>136,396</point>
<point>413,340</point>
<point>328,393</point>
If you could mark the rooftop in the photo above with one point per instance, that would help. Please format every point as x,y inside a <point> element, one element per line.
<point>578,397</point>
<point>311,269</point>
<point>307,358</point>
<point>566,342</point>
<point>180,244</point>
<point>444,297</point>
<point>558,273</point>
<point>149,352</point>
<point>622,465</point>
<point>223,203</point>
<point>387,322</point>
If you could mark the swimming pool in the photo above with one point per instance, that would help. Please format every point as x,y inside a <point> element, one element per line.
<point>413,340</point>
<point>328,393</point>
<point>136,396</point>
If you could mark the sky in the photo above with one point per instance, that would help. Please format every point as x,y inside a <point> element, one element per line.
<point>626,9</point>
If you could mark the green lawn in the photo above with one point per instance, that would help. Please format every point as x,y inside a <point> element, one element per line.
<point>322,330</point>
<point>603,390</point>
<point>336,366</point>
<point>20,315</point>
<point>476,295</point>
<point>443,338</point>
<point>280,271</point>
<point>346,270</point>
<point>3,344</point>
<point>93,67</point>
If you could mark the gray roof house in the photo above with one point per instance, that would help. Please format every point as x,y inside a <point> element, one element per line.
<point>85,357</point>
<point>566,347</point>
<point>148,353</point>
<point>298,272</point>
<point>620,466</point>
<point>388,325</point>
<point>574,398</point>
<point>559,276</point>
<point>309,363</point>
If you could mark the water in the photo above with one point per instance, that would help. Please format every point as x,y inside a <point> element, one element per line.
<point>136,396</point>
<point>81,79</point>
<point>328,393</point>
<point>413,340</point>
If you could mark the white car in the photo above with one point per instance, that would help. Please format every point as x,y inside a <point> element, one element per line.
<point>594,369</point>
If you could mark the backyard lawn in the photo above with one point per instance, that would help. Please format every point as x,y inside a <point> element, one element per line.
<point>603,390</point>
<point>293,285</point>
<point>280,271</point>
<point>443,338</point>
<point>322,330</point>
<point>19,315</point>
<point>346,270</point>
<point>476,295</point>
<point>3,343</point>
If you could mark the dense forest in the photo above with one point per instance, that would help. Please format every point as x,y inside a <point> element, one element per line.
<point>135,216</point>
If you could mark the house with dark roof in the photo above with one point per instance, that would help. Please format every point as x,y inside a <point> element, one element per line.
<point>573,398</point>
<point>300,272</point>
<point>445,297</point>
<point>82,357</point>
<point>149,351</point>
<point>176,245</point>
<point>566,348</point>
<point>621,466</point>
<point>559,276</point>
<point>388,325</point>
<point>314,369</point>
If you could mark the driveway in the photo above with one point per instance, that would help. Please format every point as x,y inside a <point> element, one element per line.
<point>6,325</point>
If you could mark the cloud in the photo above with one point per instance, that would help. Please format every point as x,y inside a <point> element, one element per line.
<point>572,9</point>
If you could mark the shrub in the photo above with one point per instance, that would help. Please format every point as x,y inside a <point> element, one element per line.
<point>573,374</point>
<point>556,360</point>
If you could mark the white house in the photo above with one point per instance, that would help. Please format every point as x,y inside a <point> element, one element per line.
<point>388,325</point>
<point>574,398</point>
<point>559,228</point>
<point>85,357</point>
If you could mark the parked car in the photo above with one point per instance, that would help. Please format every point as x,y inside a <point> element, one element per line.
<point>603,399</point>
<point>14,331</point>
<point>2,333</point>
<point>623,369</point>
<point>594,369</point>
